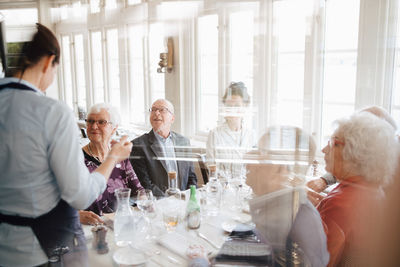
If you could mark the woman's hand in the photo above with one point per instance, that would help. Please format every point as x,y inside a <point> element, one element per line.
<point>89,217</point>
<point>318,185</point>
<point>314,197</point>
<point>120,150</point>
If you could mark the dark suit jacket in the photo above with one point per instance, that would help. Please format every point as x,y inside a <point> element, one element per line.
<point>152,172</point>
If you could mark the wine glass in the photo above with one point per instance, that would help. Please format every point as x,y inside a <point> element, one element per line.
<point>146,203</point>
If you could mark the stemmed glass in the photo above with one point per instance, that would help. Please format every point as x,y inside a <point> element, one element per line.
<point>146,203</point>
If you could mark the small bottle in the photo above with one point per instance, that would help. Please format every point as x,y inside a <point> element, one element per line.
<point>193,215</point>
<point>173,186</point>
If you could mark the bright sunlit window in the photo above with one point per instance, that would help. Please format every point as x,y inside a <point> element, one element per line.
<point>113,67</point>
<point>157,45</point>
<point>290,30</point>
<point>396,83</point>
<point>20,16</point>
<point>242,28</point>
<point>207,58</point>
<point>80,71</point>
<point>340,67</point>
<point>136,75</point>
<point>97,67</point>
<point>66,59</point>
<point>94,6</point>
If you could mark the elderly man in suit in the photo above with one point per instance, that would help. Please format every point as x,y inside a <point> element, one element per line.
<point>155,153</point>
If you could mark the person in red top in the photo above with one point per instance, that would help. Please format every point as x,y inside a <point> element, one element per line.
<point>362,154</point>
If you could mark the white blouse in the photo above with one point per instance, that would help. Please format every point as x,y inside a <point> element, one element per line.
<point>226,149</point>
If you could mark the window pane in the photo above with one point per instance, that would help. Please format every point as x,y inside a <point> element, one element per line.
<point>94,6</point>
<point>395,112</point>
<point>111,4</point>
<point>208,70</point>
<point>136,74</point>
<point>242,35</point>
<point>133,2</point>
<point>80,71</point>
<point>67,71</point>
<point>157,45</point>
<point>340,64</point>
<point>291,24</point>
<point>97,67</point>
<point>113,67</point>
<point>20,16</point>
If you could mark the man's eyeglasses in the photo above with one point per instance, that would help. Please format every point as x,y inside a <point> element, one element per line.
<point>161,110</point>
<point>100,123</point>
<point>334,141</point>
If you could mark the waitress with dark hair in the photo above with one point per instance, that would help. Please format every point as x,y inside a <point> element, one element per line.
<point>43,178</point>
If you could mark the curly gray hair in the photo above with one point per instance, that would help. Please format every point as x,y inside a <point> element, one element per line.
<point>371,147</point>
<point>115,118</point>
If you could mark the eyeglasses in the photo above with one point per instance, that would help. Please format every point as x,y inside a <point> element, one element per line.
<point>334,141</point>
<point>161,110</point>
<point>100,123</point>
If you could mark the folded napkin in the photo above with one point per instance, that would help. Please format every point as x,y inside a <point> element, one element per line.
<point>245,246</point>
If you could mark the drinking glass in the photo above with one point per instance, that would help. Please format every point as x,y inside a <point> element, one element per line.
<point>146,203</point>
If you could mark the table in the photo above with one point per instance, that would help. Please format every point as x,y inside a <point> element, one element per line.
<point>156,250</point>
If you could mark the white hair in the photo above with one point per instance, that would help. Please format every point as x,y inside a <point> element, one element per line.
<point>169,104</point>
<point>370,146</point>
<point>115,118</point>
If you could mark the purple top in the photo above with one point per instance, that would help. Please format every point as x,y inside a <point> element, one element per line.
<point>122,177</point>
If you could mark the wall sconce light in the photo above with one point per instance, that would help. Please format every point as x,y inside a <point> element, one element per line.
<point>166,63</point>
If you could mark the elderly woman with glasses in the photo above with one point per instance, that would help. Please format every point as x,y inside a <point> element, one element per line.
<point>362,154</point>
<point>102,123</point>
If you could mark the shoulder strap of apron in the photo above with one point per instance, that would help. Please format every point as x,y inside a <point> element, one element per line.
<point>15,85</point>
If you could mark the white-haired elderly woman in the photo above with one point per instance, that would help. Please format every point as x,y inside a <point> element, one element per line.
<point>102,122</point>
<point>362,154</point>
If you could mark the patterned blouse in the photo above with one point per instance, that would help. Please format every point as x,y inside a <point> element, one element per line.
<point>122,176</point>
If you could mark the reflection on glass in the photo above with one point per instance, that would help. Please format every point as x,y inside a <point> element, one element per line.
<point>67,71</point>
<point>208,70</point>
<point>113,67</point>
<point>136,74</point>
<point>80,71</point>
<point>97,67</point>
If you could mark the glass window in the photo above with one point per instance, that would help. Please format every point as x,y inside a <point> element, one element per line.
<point>133,2</point>
<point>207,56</point>
<point>113,67</point>
<point>136,75</point>
<point>340,64</point>
<point>97,67</point>
<point>157,45</point>
<point>242,35</point>
<point>67,74</point>
<point>20,16</point>
<point>111,4</point>
<point>94,6</point>
<point>80,71</point>
<point>396,84</point>
<point>289,33</point>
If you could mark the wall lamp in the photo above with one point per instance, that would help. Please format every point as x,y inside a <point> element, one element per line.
<point>166,59</point>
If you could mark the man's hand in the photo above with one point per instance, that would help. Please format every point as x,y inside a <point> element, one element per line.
<point>89,217</point>
<point>318,185</point>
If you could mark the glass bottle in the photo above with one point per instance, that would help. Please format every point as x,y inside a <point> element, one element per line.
<point>173,190</point>
<point>123,221</point>
<point>193,215</point>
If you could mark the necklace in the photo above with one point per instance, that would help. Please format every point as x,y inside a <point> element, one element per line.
<point>91,153</point>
